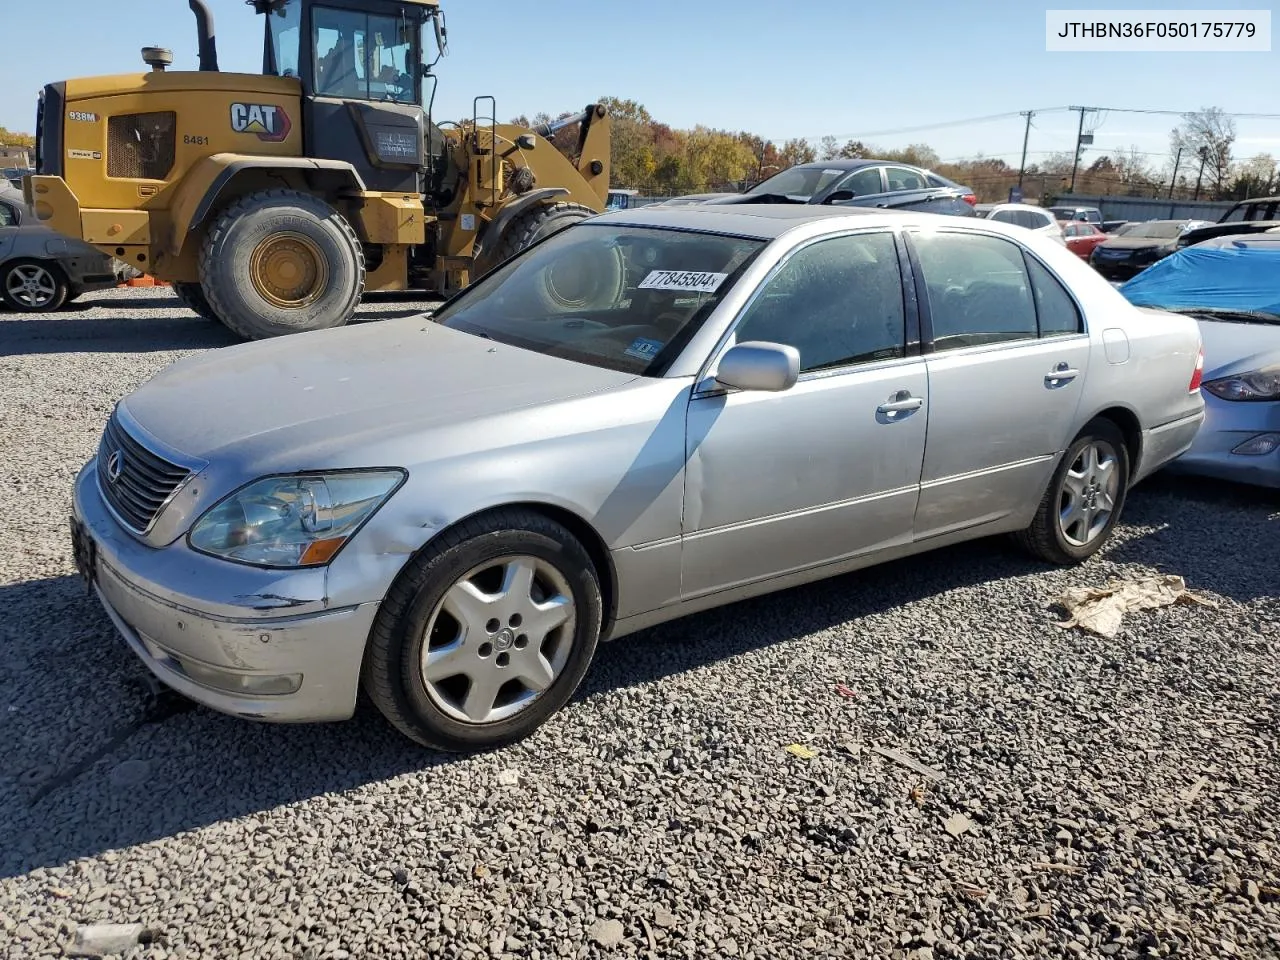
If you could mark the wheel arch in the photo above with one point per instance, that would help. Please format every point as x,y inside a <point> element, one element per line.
<point>1130,428</point>
<point>222,178</point>
<point>575,523</point>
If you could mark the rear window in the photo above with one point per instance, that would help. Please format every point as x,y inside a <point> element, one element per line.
<point>621,297</point>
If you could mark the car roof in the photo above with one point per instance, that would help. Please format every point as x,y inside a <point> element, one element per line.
<point>1021,206</point>
<point>767,221</point>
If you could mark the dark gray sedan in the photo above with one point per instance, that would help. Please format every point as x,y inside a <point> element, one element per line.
<point>41,270</point>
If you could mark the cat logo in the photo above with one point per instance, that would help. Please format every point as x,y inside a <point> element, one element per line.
<point>268,121</point>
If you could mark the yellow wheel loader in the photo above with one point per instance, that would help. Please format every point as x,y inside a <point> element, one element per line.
<point>273,202</point>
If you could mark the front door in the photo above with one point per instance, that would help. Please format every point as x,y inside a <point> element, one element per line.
<point>777,482</point>
<point>1006,370</point>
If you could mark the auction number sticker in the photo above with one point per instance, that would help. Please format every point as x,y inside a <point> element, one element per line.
<point>693,280</point>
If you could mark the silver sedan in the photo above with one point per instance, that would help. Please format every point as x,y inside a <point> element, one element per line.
<point>654,412</point>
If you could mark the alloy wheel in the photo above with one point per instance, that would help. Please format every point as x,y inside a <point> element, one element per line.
<point>499,637</point>
<point>31,286</point>
<point>1089,492</point>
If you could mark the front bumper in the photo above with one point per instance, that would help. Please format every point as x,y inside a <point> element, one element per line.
<point>202,630</point>
<point>1227,425</point>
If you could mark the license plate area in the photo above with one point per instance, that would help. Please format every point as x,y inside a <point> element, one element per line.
<point>84,551</point>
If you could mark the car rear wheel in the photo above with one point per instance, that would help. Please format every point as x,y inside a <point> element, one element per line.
<point>33,286</point>
<point>486,633</point>
<point>1082,503</point>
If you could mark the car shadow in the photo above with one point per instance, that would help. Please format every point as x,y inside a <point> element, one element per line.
<point>76,703</point>
<point>56,800</point>
<point>67,333</point>
<point>1208,558</point>
<point>130,326</point>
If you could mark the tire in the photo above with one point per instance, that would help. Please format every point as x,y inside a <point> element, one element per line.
<point>191,296</point>
<point>594,285</point>
<point>1057,540</point>
<point>439,713</point>
<point>296,231</point>
<point>33,286</point>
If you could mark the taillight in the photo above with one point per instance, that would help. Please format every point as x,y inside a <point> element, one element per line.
<point>1198,374</point>
<point>970,199</point>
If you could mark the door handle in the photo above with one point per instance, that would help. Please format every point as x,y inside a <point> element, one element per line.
<point>901,403</point>
<point>1060,374</point>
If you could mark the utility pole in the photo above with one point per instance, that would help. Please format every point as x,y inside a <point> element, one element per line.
<point>1026,135</point>
<point>1204,158</point>
<point>1075,163</point>
<point>1177,161</point>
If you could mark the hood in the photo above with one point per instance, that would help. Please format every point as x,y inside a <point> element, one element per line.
<point>1231,348</point>
<point>1136,243</point>
<point>317,392</point>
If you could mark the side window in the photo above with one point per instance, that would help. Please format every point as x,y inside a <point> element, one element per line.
<point>978,289</point>
<point>904,178</point>
<point>1054,306</point>
<point>838,302</point>
<point>1071,230</point>
<point>8,216</point>
<point>864,183</point>
<point>1005,216</point>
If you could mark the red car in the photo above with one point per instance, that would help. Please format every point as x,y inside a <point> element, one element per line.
<point>1081,237</point>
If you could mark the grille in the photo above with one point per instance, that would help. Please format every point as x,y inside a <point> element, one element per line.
<point>143,481</point>
<point>140,146</point>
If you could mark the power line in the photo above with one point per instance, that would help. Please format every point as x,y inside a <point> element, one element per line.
<point>934,126</point>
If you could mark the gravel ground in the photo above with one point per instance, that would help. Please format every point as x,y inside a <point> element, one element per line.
<point>1118,798</point>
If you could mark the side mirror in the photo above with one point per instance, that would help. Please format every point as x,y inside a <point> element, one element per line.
<point>756,365</point>
<point>839,196</point>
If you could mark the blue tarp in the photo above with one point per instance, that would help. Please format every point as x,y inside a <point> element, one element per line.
<point>1226,277</point>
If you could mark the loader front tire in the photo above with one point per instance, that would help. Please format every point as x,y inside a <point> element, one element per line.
<point>573,286</point>
<point>281,261</point>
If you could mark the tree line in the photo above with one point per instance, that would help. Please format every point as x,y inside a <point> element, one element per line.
<point>661,160</point>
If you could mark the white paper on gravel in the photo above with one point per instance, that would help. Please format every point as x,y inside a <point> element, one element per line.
<point>692,280</point>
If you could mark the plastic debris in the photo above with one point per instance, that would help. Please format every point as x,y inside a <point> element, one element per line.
<point>103,939</point>
<point>801,751</point>
<point>846,692</point>
<point>958,824</point>
<point>1100,610</point>
<point>897,756</point>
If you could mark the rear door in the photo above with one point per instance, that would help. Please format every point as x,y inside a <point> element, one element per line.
<point>1007,354</point>
<point>910,189</point>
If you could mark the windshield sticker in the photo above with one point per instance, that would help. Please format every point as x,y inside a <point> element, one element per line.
<point>694,280</point>
<point>643,349</point>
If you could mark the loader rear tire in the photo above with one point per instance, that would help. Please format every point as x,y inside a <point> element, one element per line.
<point>191,296</point>
<point>278,262</point>
<point>594,285</point>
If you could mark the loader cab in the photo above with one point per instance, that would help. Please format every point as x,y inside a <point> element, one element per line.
<point>360,63</point>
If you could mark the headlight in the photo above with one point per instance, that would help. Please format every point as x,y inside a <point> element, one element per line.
<point>293,521</point>
<point>1261,384</point>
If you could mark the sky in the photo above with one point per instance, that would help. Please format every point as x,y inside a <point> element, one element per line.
<point>857,70</point>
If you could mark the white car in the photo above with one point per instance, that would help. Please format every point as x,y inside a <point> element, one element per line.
<point>1033,218</point>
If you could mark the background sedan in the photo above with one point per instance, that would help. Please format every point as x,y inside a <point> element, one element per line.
<point>41,270</point>
<point>1231,285</point>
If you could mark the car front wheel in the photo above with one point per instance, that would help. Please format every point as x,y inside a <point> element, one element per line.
<point>486,633</point>
<point>1084,498</point>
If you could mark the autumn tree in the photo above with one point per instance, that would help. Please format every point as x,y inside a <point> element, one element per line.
<point>12,138</point>
<point>1207,134</point>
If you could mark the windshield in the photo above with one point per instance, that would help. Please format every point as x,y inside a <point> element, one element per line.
<point>284,29</point>
<point>364,57</point>
<point>620,297</point>
<point>1156,230</point>
<point>799,182</point>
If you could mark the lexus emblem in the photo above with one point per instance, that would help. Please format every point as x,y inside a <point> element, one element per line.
<point>115,462</point>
